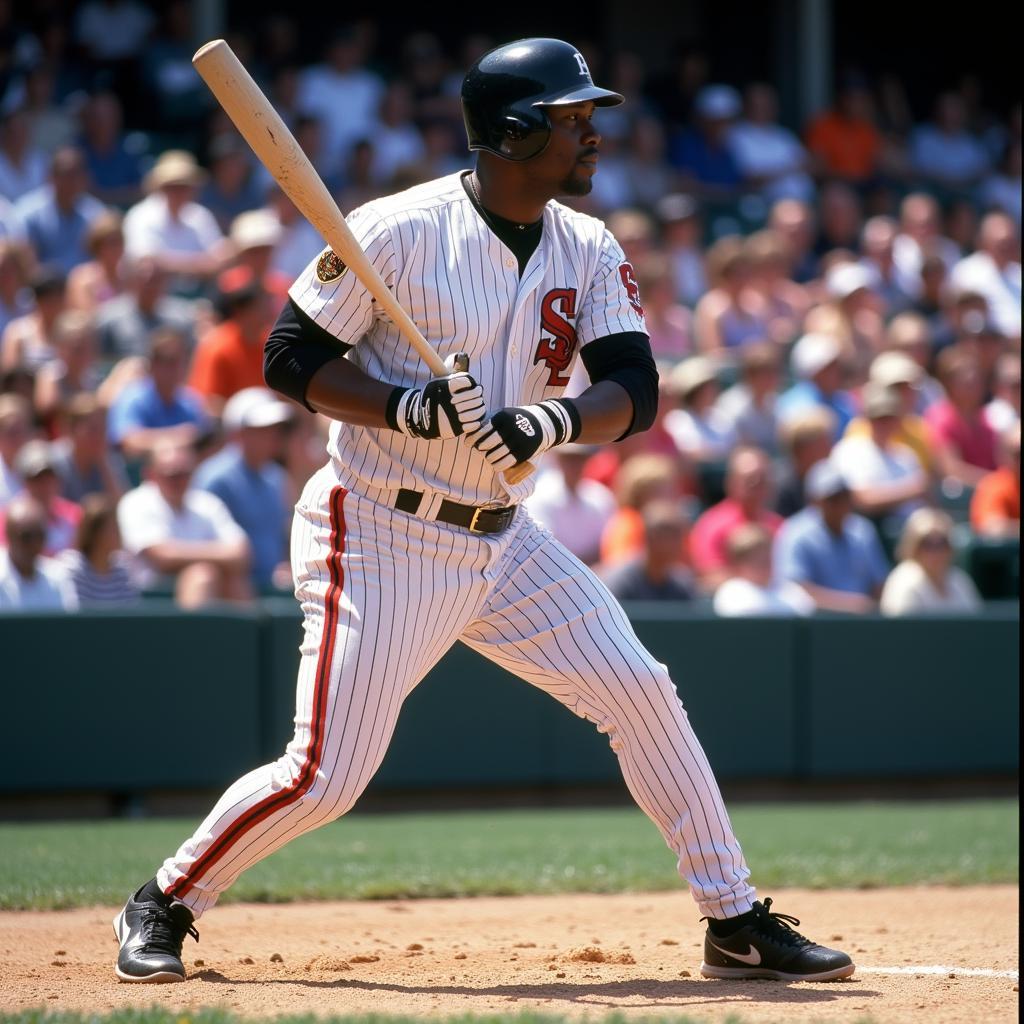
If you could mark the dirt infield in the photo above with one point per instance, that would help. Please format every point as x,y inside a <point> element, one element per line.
<point>577,955</point>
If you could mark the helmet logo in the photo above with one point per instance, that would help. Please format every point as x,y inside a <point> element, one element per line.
<point>584,70</point>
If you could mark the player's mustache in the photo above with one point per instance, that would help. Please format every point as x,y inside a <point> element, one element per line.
<point>589,151</point>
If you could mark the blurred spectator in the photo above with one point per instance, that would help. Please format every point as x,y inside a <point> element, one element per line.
<point>657,574</point>
<point>645,161</point>
<point>964,442</point>
<point>995,504</point>
<point>22,165</point>
<point>748,407</point>
<point>669,324</point>
<point>816,363</point>
<point>750,588</point>
<point>634,230</point>
<point>699,429</point>
<point>397,142</point>
<point>844,140</point>
<point>56,216</point>
<point>702,154</point>
<point>358,186</point>
<point>575,510</point>
<point>231,186</point>
<point>909,334</point>
<point>343,94</point>
<point>115,171</point>
<point>15,431</point>
<point>83,463</point>
<point>794,223</point>
<point>15,297</point>
<point>98,568</point>
<point>781,302</point>
<point>945,152</point>
<point>254,236</point>
<point>681,232</point>
<point>425,67</point>
<point>112,30</point>
<point>1001,190</point>
<point>183,538</point>
<point>833,554</point>
<point>674,91</point>
<point>158,408</point>
<point>926,580</point>
<point>840,218</point>
<point>770,157</point>
<point>920,235</point>
<point>36,467</point>
<point>641,479</point>
<point>299,243</point>
<point>51,123</point>
<point>994,271</point>
<point>729,316</point>
<point>806,439</point>
<point>612,188</point>
<point>178,97</point>
<point>961,224</point>
<point>1004,409</point>
<point>229,357</point>
<point>884,475</point>
<point>748,488</point>
<point>10,227</point>
<point>103,276</point>
<point>171,228</point>
<point>984,343</point>
<point>73,369</point>
<point>934,299</point>
<point>28,581</point>
<point>126,322</point>
<point>28,340</point>
<point>247,476</point>
<point>877,243</point>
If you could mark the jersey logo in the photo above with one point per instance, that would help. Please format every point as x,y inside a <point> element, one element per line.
<point>329,267</point>
<point>632,288</point>
<point>524,425</point>
<point>558,350</point>
<point>584,70</point>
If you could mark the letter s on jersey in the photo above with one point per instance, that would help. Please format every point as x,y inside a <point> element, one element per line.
<point>632,288</point>
<point>557,308</point>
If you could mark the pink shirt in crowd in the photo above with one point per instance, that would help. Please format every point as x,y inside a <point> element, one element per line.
<point>973,439</point>
<point>711,531</point>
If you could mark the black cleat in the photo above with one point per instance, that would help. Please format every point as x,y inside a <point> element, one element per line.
<point>769,948</point>
<point>151,935</point>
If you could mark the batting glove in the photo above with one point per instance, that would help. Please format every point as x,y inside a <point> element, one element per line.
<point>519,432</point>
<point>443,408</point>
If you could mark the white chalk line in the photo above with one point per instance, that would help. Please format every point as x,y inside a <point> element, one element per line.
<point>961,972</point>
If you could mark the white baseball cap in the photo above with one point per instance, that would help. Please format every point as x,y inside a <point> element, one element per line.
<point>255,229</point>
<point>891,368</point>
<point>846,278</point>
<point>254,407</point>
<point>812,353</point>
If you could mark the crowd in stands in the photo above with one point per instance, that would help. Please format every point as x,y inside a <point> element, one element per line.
<point>835,310</point>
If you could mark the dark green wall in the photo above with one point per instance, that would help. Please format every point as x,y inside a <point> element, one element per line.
<point>160,699</point>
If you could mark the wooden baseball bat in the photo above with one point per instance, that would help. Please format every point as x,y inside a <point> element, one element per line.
<point>270,139</point>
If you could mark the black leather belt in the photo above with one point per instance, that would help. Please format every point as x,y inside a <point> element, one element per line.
<point>476,518</point>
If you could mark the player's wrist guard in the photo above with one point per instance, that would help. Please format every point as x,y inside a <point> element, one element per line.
<point>518,433</point>
<point>444,408</point>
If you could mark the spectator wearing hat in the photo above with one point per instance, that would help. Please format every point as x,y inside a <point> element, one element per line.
<point>750,588</point>
<point>22,164</point>
<point>36,467</point>
<point>816,362</point>
<point>778,300</point>
<point>102,277</point>
<point>114,169</point>
<point>748,407</point>
<point>170,227</point>
<point>910,335</point>
<point>254,236</point>
<point>574,509</point>
<point>995,504</point>
<point>805,439</point>
<point>926,580</point>
<point>920,236</point>
<point>883,474</point>
<point>700,432</point>
<point>827,549</point>
<point>99,569</point>
<point>158,408</point>
<point>844,140</point>
<point>994,271</point>
<point>878,241</point>
<point>230,187</point>
<point>965,444</point>
<point>729,315</point>
<point>28,580</point>
<point>182,538</point>
<point>669,324</point>
<point>682,233</point>
<point>748,490</point>
<point>657,573</point>
<point>81,459</point>
<point>703,154</point>
<point>1004,409</point>
<point>15,432</point>
<point>794,222</point>
<point>770,157</point>
<point>28,340</point>
<point>248,478</point>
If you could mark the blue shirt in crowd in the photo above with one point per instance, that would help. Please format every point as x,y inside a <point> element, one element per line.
<point>712,165</point>
<point>805,394</point>
<point>58,236</point>
<point>807,551</point>
<point>257,500</point>
<point>140,407</point>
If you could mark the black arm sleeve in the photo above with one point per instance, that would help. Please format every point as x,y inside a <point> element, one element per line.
<point>296,348</point>
<point>626,359</point>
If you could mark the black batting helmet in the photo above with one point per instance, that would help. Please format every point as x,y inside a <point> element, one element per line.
<point>505,92</point>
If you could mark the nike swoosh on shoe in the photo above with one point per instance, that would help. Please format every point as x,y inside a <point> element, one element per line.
<point>752,956</point>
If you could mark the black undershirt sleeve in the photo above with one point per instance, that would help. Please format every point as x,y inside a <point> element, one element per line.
<point>296,348</point>
<point>626,359</point>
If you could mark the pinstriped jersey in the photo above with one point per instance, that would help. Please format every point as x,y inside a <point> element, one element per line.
<point>461,285</point>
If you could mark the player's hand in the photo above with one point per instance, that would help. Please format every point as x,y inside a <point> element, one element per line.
<point>445,407</point>
<point>517,433</point>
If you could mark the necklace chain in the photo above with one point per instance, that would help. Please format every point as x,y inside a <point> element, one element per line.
<point>480,202</point>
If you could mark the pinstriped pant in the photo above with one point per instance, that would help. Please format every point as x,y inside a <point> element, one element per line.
<point>384,596</point>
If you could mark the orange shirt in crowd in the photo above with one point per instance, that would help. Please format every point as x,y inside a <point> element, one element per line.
<point>623,538</point>
<point>848,148</point>
<point>224,363</point>
<point>997,497</point>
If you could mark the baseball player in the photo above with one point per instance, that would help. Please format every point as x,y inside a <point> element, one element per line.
<point>410,538</point>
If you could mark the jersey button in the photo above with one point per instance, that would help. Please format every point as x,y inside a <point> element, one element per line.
<point>510,263</point>
<point>514,349</point>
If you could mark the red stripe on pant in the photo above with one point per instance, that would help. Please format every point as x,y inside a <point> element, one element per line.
<point>314,752</point>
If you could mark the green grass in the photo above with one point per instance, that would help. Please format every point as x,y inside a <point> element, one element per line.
<point>510,852</point>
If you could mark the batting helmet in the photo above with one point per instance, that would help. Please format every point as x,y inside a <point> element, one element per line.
<point>505,92</point>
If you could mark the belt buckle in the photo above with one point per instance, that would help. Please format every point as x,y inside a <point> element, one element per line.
<point>476,515</point>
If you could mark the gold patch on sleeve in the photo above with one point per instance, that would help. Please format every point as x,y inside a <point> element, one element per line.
<point>329,267</point>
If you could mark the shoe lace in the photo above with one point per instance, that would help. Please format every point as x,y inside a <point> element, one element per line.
<point>166,930</point>
<point>778,927</point>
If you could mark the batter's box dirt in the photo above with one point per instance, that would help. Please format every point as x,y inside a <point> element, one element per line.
<point>927,954</point>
